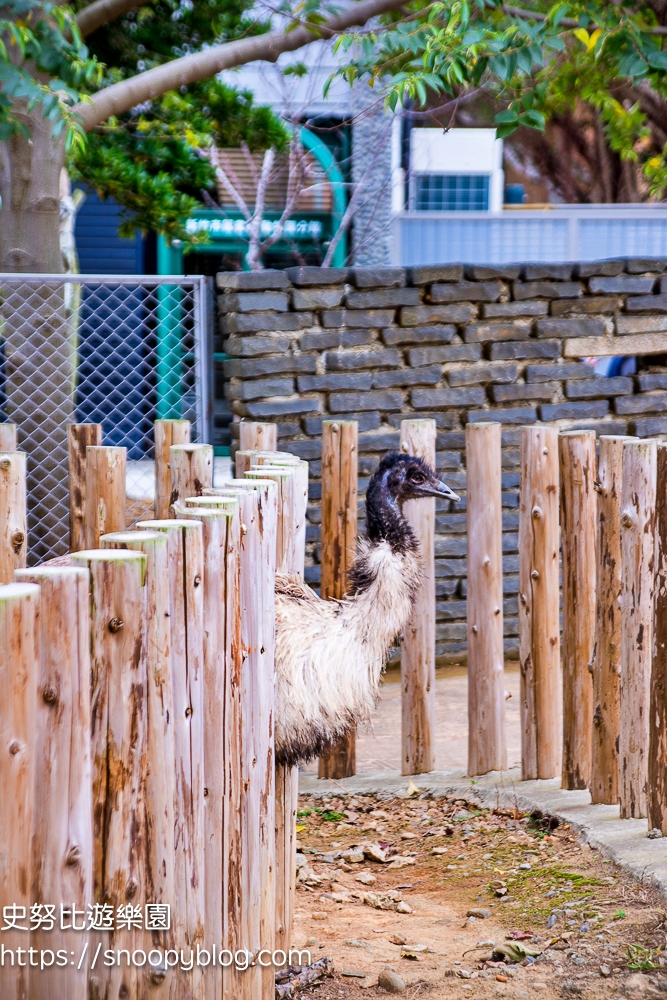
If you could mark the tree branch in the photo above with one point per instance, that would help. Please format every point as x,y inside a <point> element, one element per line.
<point>120,97</point>
<point>102,12</point>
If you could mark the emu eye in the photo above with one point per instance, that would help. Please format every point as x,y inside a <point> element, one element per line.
<point>417,477</point>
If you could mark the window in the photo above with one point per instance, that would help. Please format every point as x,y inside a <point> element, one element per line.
<point>451,193</point>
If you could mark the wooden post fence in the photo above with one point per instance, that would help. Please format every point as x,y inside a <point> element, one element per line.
<point>13,514</point>
<point>118,750</point>
<point>166,433</point>
<point>191,469</point>
<point>255,436</point>
<point>657,752</point>
<point>340,454</point>
<point>19,666</point>
<point>105,493</point>
<point>539,628</point>
<point>80,437</point>
<point>62,842</point>
<point>607,654</point>
<point>486,689</point>
<point>418,649</point>
<point>638,499</point>
<point>8,437</point>
<point>578,510</point>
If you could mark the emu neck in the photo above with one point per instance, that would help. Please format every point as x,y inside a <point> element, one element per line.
<point>386,522</point>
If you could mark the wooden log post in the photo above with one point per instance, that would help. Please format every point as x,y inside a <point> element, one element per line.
<point>221,540</point>
<point>486,689</point>
<point>8,437</point>
<point>80,437</point>
<point>166,433</point>
<point>340,454</point>
<point>62,856</point>
<point>256,436</point>
<point>105,493</point>
<point>657,752</point>
<point>539,627</point>
<point>638,498</point>
<point>13,514</point>
<point>254,886</point>
<point>19,667</point>
<point>191,471</point>
<point>186,641</point>
<point>418,648</point>
<point>120,761</point>
<point>160,781</point>
<point>607,649</point>
<point>578,510</point>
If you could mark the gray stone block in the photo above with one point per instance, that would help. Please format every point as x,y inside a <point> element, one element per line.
<point>379,441</point>
<point>524,349</point>
<point>541,391</point>
<point>366,318</point>
<point>486,272</point>
<point>435,272</point>
<point>640,324</point>
<point>481,333</point>
<point>251,281</point>
<point>438,355</point>
<point>349,361</point>
<point>366,421</point>
<point>259,388</point>
<point>622,284</point>
<point>319,341</point>
<point>572,411</point>
<point>451,546</point>
<point>327,383</point>
<point>444,419</point>
<point>476,374</point>
<point>593,305</point>
<point>446,398</point>
<point>589,388</point>
<point>510,480</point>
<point>650,427</point>
<point>308,450</point>
<point>426,315</point>
<point>317,298</point>
<point>601,268</point>
<point>451,567</point>
<point>581,326</point>
<point>281,407</point>
<point>378,277</point>
<point>467,291</point>
<point>428,375</point>
<point>445,588</point>
<point>450,610</point>
<point>649,402</point>
<point>252,367</point>
<point>383,298</point>
<point>312,574</point>
<point>355,338</point>
<point>376,399</point>
<point>569,370</point>
<point>504,310</point>
<point>652,380</point>
<point>448,461</point>
<point>245,302</point>
<point>418,335</point>
<point>304,276</point>
<point>252,347</point>
<point>514,415</point>
<point>264,322</point>
<point>451,524</point>
<point>640,265</point>
<point>450,439</point>
<point>554,272</point>
<point>646,303</point>
<point>546,290</point>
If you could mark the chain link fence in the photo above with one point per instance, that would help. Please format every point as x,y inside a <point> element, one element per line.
<point>117,350</point>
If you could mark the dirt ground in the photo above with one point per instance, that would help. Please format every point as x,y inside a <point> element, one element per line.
<point>590,931</point>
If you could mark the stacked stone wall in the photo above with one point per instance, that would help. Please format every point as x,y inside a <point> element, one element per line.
<point>453,343</point>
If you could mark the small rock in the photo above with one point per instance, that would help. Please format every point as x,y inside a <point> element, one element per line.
<point>654,834</point>
<point>358,943</point>
<point>578,960</point>
<point>413,951</point>
<point>353,857</point>
<point>365,878</point>
<point>341,897</point>
<point>311,942</point>
<point>318,915</point>
<point>374,852</point>
<point>480,913</point>
<point>585,927</point>
<point>487,857</point>
<point>354,974</point>
<point>552,921</point>
<point>368,982</point>
<point>400,862</point>
<point>407,835</point>
<point>605,971</point>
<point>391,982</point>
<point>463,974</point>
<point>461,857</point>
<point>439,850</point>
<point>403,907</point>
<point>397,939</point>
<point>525,867</point>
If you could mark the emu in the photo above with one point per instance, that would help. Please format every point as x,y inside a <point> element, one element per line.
<point>330,654</point>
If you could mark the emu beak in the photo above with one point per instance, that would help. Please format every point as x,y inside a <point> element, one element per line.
<point>442,491</point>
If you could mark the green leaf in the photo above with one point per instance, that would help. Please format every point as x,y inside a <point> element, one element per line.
<point>504,117</point>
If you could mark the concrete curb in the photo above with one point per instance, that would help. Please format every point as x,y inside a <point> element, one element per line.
<point>622,841</point>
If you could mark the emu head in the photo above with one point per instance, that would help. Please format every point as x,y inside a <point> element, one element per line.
<point>405,477</point>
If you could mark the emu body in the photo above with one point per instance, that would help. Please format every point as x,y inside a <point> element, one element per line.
<point>330,654</point>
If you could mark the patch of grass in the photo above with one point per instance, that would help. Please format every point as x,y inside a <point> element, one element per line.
<point>642,959</point>
<point>306,811</point>
<point>333,817</point>
<point>618,915</point>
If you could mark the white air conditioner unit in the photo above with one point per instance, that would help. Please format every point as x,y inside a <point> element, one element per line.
<point>459,170</point>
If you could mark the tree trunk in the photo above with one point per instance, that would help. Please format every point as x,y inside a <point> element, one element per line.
<point>39,344</point>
